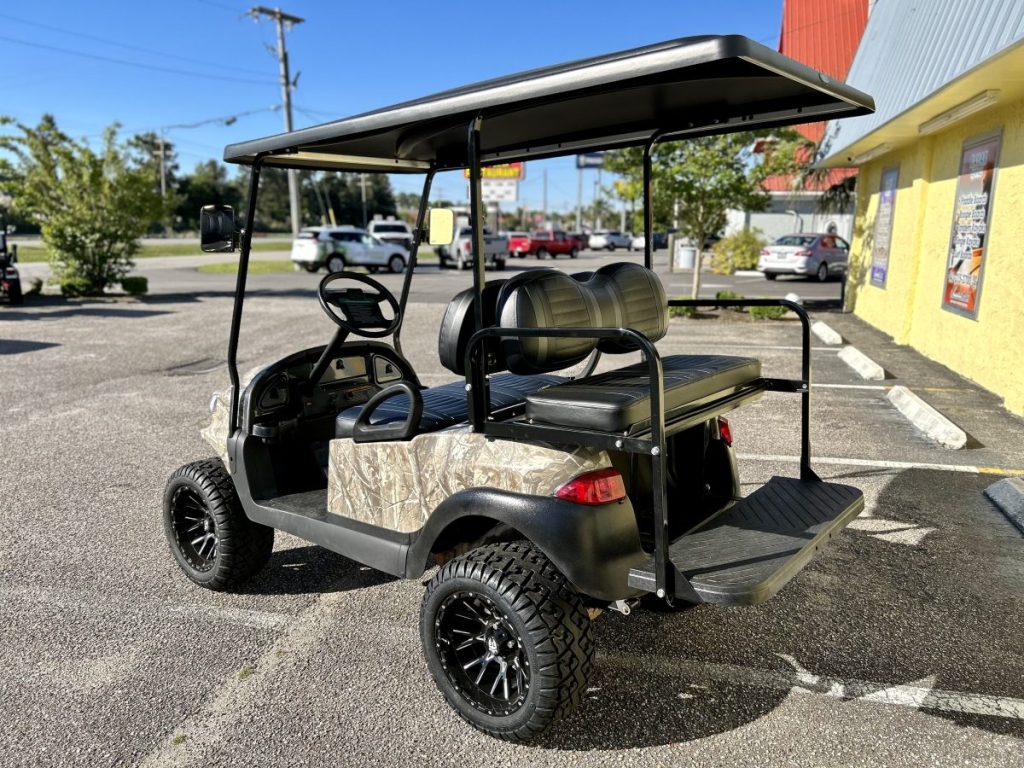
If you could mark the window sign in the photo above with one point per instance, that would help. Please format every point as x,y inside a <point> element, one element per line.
<point>883,226</point>
<point>971,213</point>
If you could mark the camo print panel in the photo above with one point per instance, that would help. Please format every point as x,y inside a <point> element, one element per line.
<point>396,485</point>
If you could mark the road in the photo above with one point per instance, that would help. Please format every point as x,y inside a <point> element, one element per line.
<point>898,646</point>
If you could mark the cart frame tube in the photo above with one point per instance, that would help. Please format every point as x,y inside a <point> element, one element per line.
<point>243,271</point>
<point>417,239</point>
<point>476,387</point>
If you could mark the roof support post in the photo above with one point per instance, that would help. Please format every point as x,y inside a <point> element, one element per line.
<point>479,397</point>
<point>417,238</point>
<point>243,271</point>
<point>648,199</point>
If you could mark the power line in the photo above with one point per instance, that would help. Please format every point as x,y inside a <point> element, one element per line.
<point>126,46</point>
<point>138,65</point>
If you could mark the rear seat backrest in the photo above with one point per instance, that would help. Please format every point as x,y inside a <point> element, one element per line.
<point>622,295</point>
<point>459,324</point>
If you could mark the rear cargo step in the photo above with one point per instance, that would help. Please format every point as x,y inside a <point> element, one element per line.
<point>747,553</point>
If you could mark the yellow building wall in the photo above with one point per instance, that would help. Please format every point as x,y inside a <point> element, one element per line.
<point>990,348</point>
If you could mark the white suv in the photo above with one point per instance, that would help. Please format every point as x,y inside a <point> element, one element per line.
<point>392,231</point>
<point>340,247</point>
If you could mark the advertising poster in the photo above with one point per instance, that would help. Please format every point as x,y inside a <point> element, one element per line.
<point>966,260</point>
<point>883,226</point>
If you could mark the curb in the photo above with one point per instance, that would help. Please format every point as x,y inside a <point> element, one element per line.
<point>826,333</point>
<point>1008,496</point>
<point>927,419</point>
<point>746,273</point>
<point>862,364</point>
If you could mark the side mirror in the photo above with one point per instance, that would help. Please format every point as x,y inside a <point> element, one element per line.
<point>217,233</point>
<point>441,226</point>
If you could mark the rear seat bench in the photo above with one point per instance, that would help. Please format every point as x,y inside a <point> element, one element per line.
<point>622,295</point>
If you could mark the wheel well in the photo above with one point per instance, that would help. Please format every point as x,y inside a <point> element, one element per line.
<point>469,532</point>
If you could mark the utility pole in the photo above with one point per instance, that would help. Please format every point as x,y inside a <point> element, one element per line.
<point>579,199</point>
<point>362,186</point>
<point>282,18</point>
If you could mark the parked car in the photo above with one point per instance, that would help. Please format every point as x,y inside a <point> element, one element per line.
<point>339,248</point>
<point>543,243</point>
<point>660,241</point>
<point>810,254</point>
<point>391,231</point>
<point>461,249</point>
<point>10,280</point>
<point>609,240</point>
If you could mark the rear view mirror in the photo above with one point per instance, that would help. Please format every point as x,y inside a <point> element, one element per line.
<point>441,226</point>
<point>217,233</point>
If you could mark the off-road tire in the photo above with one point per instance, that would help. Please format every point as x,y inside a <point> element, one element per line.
<point>546,612</point>
<point>243,547</point>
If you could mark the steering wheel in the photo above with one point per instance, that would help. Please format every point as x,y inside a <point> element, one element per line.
<point>359,310</point>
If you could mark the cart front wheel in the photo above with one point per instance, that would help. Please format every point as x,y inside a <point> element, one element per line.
<point>210,537</point>
<point>507,640</point>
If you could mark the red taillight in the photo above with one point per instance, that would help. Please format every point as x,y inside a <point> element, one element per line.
<point>601,486</point>
<point>467,247</point>
<point>765,252</point>
<point>803,253</point>
<point>724,430</point>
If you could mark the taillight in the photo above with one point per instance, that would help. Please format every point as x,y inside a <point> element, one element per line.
<point>765,252</point>
<point>601,486</point>
<point>724,430</point>
<point>467,247</point>
<point>803,253</point>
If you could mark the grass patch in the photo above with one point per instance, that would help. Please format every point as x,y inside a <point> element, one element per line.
<point>28,254</point>
<point>682,311</point>
<point>767,313</point>
<point>255,267</point>
<point>178,738</point>
<point>245,672</point>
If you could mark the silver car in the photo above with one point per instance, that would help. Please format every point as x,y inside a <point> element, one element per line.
<point>808,254</point>
<point>338,248</point>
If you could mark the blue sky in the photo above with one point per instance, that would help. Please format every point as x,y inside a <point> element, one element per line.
<point>154,64</point>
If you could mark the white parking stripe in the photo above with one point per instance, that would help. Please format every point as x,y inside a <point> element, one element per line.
<point>918,695</point>
<point>875,463</point>
<point>848,386</point>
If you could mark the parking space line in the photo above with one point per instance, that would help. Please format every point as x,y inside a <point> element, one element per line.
<point>875,463</point>
<point>917,695</point>
<point>849,386</point>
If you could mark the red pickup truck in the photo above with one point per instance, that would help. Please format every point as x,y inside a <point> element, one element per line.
<point>543,243</point>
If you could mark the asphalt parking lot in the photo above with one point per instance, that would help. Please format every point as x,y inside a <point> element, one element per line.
<point>900,645</point>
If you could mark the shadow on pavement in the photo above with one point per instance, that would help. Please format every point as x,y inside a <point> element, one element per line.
<point>76,310</point>
<point>313,570</point>
<point>16,347</point>
<point>944,615</point>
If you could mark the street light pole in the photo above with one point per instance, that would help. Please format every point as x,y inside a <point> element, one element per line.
<point>281,19</point>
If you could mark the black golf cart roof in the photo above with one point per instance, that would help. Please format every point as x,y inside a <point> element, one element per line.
<point>689,87</point>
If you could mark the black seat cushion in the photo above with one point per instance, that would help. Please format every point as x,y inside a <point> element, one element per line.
<point>617,400</point>
<point>446,405</point>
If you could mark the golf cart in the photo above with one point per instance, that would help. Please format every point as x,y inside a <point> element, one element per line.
<point>542,497</point>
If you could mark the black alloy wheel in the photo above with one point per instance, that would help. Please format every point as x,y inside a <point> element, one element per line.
<point>507,640</point>
<point>209,536</point>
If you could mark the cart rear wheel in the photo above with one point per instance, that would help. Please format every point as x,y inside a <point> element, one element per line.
<point>210,537</point>
<point>507,640</point>
<point>14,294</point>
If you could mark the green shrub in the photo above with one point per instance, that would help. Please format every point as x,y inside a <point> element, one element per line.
<point>135,286</point>
<point>729,296</point>
<point>739,251</point>
<point>71,287</point>
<point>682,311</point>
<point>36,288</point>
<point>767,313</point>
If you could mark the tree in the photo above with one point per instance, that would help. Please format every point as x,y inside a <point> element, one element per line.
<point>92,205</point>
<point>705,177</point>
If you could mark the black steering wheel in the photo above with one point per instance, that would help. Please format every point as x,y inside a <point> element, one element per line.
<point>359,310</point>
